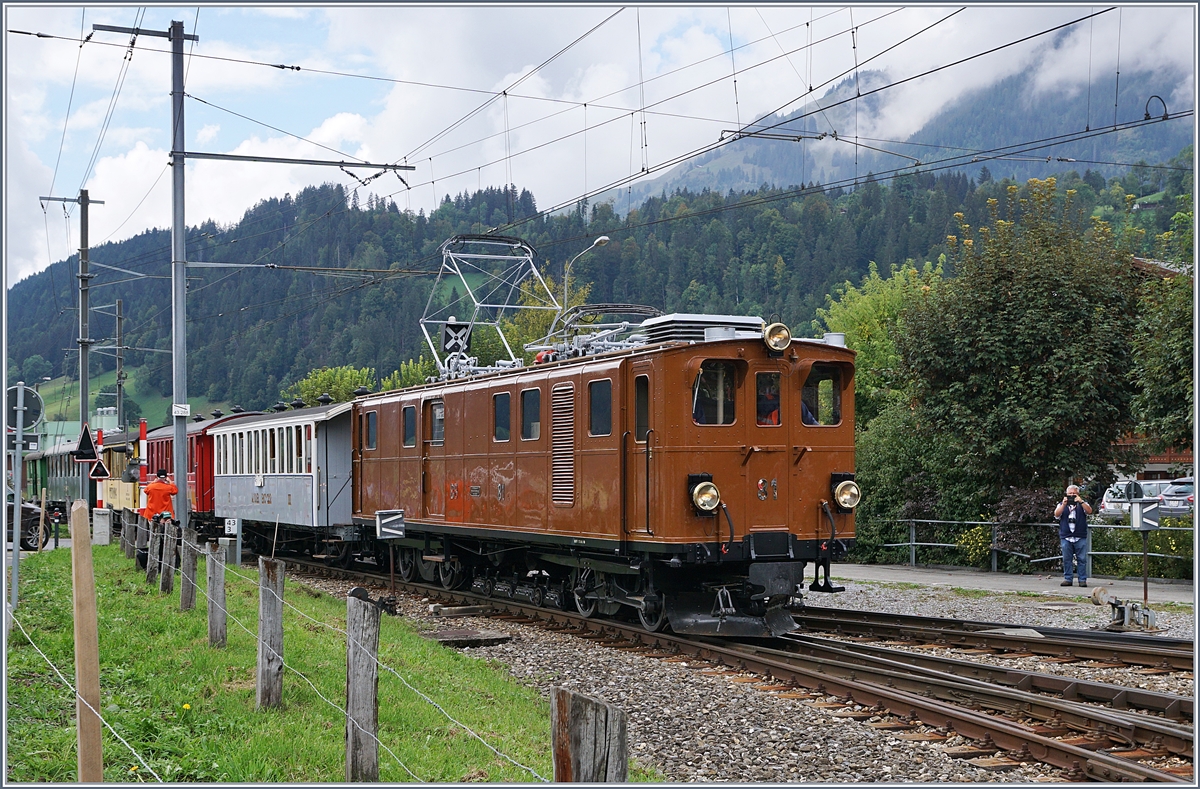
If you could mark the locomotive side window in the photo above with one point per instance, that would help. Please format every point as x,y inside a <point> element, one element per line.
<point>410,425</point>
<point>437,423</point>
<point>368,430</point>
<point>713,394</point>
<point>821,398</point>
<point>767,399</point>
<point>641,407</point>
<point>531,414</point>
<point>600,402</point>
<point>501,416</point>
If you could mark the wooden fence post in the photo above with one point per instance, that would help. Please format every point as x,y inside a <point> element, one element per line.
<point>153,551</point>
<point>215,565</point>
<point>269,687</point>
<point>362,690</point>
<point>42,537</point>
<point>87,649</point>
<point>129,532</point>
<point>587,739</point>
<point>187,558</point>
<point>166,569</point>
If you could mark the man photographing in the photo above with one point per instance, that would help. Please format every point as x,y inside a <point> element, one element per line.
<point>1072,514</point>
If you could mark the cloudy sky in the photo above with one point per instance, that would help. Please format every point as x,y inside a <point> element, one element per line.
<point>559,100</point>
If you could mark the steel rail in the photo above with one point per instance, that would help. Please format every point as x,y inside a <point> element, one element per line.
<point>1030,641</point>
<point>943,623</point>
<point>1118,697</point>
<point>832,678</point>
<point>1129,729</point>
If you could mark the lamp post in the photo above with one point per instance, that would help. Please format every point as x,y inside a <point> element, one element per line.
<point>599,242</point>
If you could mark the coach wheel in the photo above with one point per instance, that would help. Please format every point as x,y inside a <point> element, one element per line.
<point>338,554</point>
<point>584,581</point>
<point>383,557</point>
<point>406,564</point>
<point>451,573</point>
<point>537,597</point>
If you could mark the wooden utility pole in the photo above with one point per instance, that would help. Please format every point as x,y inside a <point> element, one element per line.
<point>215,567</point>
<point>588,739</point>
<point>362,690</point>
<point>87,649</point>
<point>269,687</point>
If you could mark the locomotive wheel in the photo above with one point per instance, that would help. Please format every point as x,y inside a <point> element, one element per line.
<point>451,573</point>
<point>654,619</point>
<point>406,564</point>
<point>489,586</point>
<point>538,597</point>
<point>584,579</point>
<point>383,557</point>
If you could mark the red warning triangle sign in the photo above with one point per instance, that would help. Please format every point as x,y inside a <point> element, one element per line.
<point>99,470</point>
<point>85,452</point>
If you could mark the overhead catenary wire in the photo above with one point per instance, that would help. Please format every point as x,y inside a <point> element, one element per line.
<point>12,617</point>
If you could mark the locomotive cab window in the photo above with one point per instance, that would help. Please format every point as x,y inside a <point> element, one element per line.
<point>531,414</point>
<point>600,406</point>
<point>767,407</point>
<point>369,429</point>
<point>821,398</point>
<point>410,425</point>
<point>501,416</point>
<point>437,422</point>
<point>714,393</point>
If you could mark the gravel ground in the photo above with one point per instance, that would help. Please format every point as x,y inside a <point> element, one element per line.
<point>697,726</point>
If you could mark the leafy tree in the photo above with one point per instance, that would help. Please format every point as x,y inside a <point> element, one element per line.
<point>868,315</point>
<point>1165,404</point>
<point>411,373</point>
<point>35,368</point>
<point>338,382</point>
<point>1019,364</point>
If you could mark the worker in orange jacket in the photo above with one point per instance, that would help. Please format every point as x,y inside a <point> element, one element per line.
<point>158,500</point>
<point>158,496</point>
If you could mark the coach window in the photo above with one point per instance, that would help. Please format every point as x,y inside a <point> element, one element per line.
<point>821,398</point>
<point>600,407</point>
<point>531,414</point>
<point>641,407</point>
<point>291,450</point>
<point>271,454</point>
<point>713,393</point>
<point>410,425</point>
<point>501,416</point>
<point>239,453</point>
<point>299,450</point>
<point>308,449</point>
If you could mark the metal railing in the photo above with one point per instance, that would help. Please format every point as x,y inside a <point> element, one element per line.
<point>994,549</point>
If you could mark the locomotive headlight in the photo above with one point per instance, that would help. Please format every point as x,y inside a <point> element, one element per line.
<point>777,337</point>
<point>848,494</point>
<point>706,497</point>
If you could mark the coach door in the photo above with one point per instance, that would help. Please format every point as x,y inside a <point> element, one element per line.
<point>639,441</point>
<point>433,477</point>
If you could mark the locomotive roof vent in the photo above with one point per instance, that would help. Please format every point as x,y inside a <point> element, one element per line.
<point>687,327</point>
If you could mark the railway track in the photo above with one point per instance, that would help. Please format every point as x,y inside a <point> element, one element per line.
<point>1011,640</point>
<point>1007,722</point>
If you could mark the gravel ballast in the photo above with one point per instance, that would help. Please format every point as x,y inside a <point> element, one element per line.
<point>697,726</point>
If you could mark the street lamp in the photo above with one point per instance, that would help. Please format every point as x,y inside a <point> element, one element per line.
<point>599,242</point>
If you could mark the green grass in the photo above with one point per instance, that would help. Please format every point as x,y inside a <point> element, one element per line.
<point>155,659</point>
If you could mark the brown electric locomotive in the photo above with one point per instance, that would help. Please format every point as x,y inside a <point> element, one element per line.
<point>691,475</point>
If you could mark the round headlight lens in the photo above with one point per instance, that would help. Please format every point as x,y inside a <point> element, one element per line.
<point>848,494</point>
<point>706,497</point>
<point>777,337</point>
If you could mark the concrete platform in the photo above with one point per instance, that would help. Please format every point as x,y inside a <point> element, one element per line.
<point>1048,583</point>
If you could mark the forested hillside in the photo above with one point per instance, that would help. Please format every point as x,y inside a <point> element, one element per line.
<point>253,332</point>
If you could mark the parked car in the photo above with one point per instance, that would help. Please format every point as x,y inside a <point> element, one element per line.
<point>1115,503</point>
<point>31,516</point>
<point>1178,500</point>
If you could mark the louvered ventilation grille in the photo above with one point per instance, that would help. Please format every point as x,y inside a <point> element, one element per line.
<point>562,445</point>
